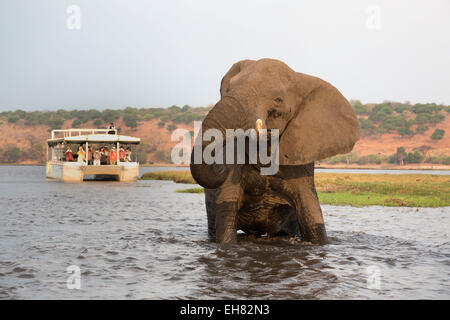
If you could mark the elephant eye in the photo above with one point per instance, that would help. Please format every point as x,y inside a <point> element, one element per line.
<point>273,113</point>
<point>278,100</point>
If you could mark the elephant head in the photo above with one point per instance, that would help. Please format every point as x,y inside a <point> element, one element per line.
<point>313,118</point>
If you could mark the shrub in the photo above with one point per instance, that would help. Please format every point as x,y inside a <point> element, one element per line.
<point>423,118</point>
<point>370,158</point>
<point>12,118</point>
<point>162,156</point>
<point>142,157</point>
<point>381,111</point>
<point>405,132</point>
<point>171,127</point>
<point>428,108</point>
<point>187,117</point>
<point>109,115</point>
<point>366,126</point>
<point>130,119</point>
<point>374,158</point>
<point>55,122</point>
<point>76,123</point>
<point>438,134</point>
<point>398,123</point>
<point>441,159</point>
<point>400,155</point>
<point>416,157</point>
<point>358,107</point>
<point>421,129</point>
<point>345,158</point>
<point>174,109</point>
<point>10,153</point>
<point>392,158</point>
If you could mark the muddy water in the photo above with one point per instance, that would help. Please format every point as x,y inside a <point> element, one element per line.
<point>144,241</point>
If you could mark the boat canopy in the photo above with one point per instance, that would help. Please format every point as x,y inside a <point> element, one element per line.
<point>95,138</point>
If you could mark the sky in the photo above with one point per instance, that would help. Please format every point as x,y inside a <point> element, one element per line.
<point>161,53</point>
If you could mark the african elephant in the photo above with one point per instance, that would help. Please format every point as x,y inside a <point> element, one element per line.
<point>314,121</point>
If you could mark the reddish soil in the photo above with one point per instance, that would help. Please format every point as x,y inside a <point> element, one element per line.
<point>158,139</point>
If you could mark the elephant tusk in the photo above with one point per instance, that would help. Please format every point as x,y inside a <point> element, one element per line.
<point>258,125</point>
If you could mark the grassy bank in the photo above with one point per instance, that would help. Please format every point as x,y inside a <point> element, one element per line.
<point>401,190</point>
<point>394,190</point>
<point>175,176</point>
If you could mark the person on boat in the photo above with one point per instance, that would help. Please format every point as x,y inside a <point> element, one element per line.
<point>102,156</point>
<point>122,154</point>
<point>97,157</point>
<point>111,129</point>
<point>106,155</point>
<point>113,156</point>
<point>128,155</point>
<point>90,156</point>
<point>81,154</point>
<point>69,154</point>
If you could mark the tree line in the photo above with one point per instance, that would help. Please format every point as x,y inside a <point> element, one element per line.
<point>395,117</point>
<point>400,157</point>
<point>130,116</point>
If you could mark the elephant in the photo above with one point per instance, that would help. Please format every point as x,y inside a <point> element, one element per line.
<point>314,122</point>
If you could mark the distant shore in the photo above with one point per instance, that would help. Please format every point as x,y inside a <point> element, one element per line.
<point>361,189</point>
<point>423,166</point>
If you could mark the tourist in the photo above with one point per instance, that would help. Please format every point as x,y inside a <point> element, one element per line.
<point>111,129</point>
<point>90,156</point>
<point>106,155</point>
<point>113,156</point>
<point>81,154</point>
<point>97,157</point>
<point>128,155</point>
<point>103,160</point>
<point>69,154</point>
<point>121,154</point>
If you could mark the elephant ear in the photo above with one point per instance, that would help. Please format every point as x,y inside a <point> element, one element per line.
<point>325,125</point>
<point>234,70</point>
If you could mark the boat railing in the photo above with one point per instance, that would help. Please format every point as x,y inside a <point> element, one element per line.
<point>78,132</point>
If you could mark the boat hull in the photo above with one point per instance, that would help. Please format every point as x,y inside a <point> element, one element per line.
<point>77,172</point>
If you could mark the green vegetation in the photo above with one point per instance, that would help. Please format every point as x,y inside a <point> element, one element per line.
<point>441,159</point>
<point>386,117</point>
<point>438,134</point>
<point>191,190</point>
<point>171,127</point>
<point>421,129</point>
<point>130,116</point>
<point>403,119</point>
<point>400,190</point>
<point>389,117</point>
<point>9,153</point>
<point>400,157</point>
<point>176,176</point>
<point>358,107</point>
<point>162,156</point>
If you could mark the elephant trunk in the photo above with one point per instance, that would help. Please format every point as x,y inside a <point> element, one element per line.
<point>226,114</point>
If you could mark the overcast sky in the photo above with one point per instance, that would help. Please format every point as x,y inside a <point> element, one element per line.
<point>160,53</point>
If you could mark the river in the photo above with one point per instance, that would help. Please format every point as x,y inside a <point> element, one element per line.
<point>145,241</point>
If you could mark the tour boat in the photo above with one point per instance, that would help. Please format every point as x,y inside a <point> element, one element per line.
<point>63,166</point>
